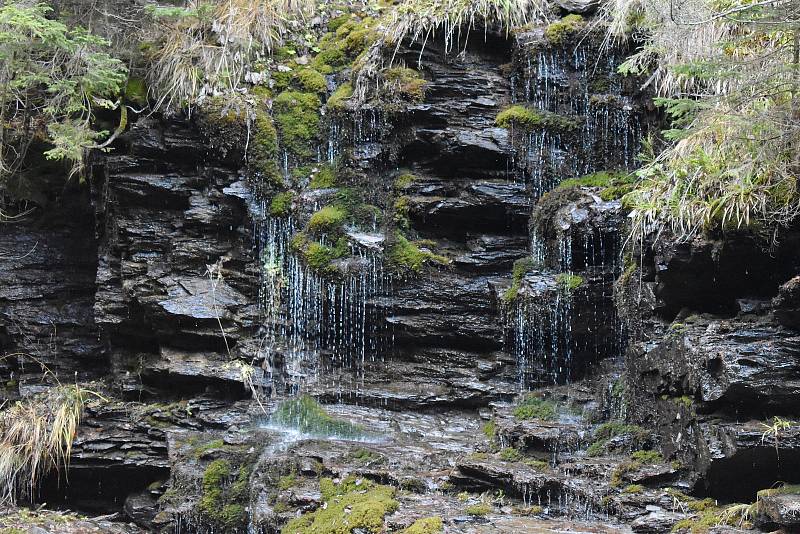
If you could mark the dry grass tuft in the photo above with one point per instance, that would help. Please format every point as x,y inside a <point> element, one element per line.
<point>207,48</point>
<point>36,437</point>
<point>421,19</point>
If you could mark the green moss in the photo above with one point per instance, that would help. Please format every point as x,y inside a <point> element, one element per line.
<point>405,83</point>
<point>311,81</point>
<point>559,30</point>
<point>136,91</point>
<point>540,465</point>
<point>597,448</point>
<point>281,204</point>
<point>704,521</point>
<point>262,152</point>
<point>287,481</point>
<point>428,525</point>
<point>355,505</point>
<point>605,432</point>
<point>309,417</point>
<point>647,457</point>
<point>401,213</point>
<point>298,119</point>
<point>336,22</point>
<point>405,255</point>
<point>529,119</point>
<point>533,407</point>
<point>521,268</point>
<point>217,504</point>
<point>404,181</point>
<point>317,256</point>
<point>633,489</point>
<point>614,184</point>
<point>330,60</point>
<point>201,450</point>
<point>366,457</point>
<point>490,430</point>
<point>338,100</point>
<point>325,178</point>
<point>478,510</point>
<point>510,454</point>
<point>569,282</point>
<point>327,219</point>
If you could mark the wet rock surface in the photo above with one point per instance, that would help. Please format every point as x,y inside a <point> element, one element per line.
<point>153,287</point>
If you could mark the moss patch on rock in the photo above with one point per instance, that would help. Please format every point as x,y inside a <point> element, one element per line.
<point>354,505</point>
<point>521,267</point>
<point>298,120</point>
<point>569,282</point>
<point>558,31</point>
<point>529,119</point>
<point>533,407</point>
<point>327,220</point>
<point>404,83</point>
<point>338,100</point>
<point>478,510</point>
<point>428,525</point>
<point>407,256</point>
<point>318,256</point>
<point>223,498</point>
<point>614,184</point>
<point>281,204</point>
<point>263,148</point>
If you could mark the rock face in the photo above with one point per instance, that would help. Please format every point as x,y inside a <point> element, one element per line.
<point>175,266</point>
<point>713,346</point>
<point>155,286</point>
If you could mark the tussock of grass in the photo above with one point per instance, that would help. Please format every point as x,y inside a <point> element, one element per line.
<point>207,48</point>
<point>418,19</point>
<point>36,437</point>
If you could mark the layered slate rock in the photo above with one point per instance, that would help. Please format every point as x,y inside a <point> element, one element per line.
<point>175,272</point>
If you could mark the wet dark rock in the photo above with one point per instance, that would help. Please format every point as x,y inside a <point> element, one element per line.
<point>787,304</point>
<point>781,509</point>
<point>141,508</point>
<point>728,362</point>
<point>550,437</point>
<point>709,275</point>
<point>656,522</point>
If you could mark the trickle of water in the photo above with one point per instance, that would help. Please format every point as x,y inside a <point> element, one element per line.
<point>315,327</point>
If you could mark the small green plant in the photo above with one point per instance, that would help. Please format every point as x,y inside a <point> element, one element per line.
<point>281,204</point>
<point>479,509</point>
<point>558,31</point>
<point>510,454</point>
<point>428,525</point>
<point>327,219</point>
<point>633,489</point>
<point>529,119</point>
<point>569,282</point>
<point>533,407</point>
<point>521,267</point>
<point>489,430</point>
